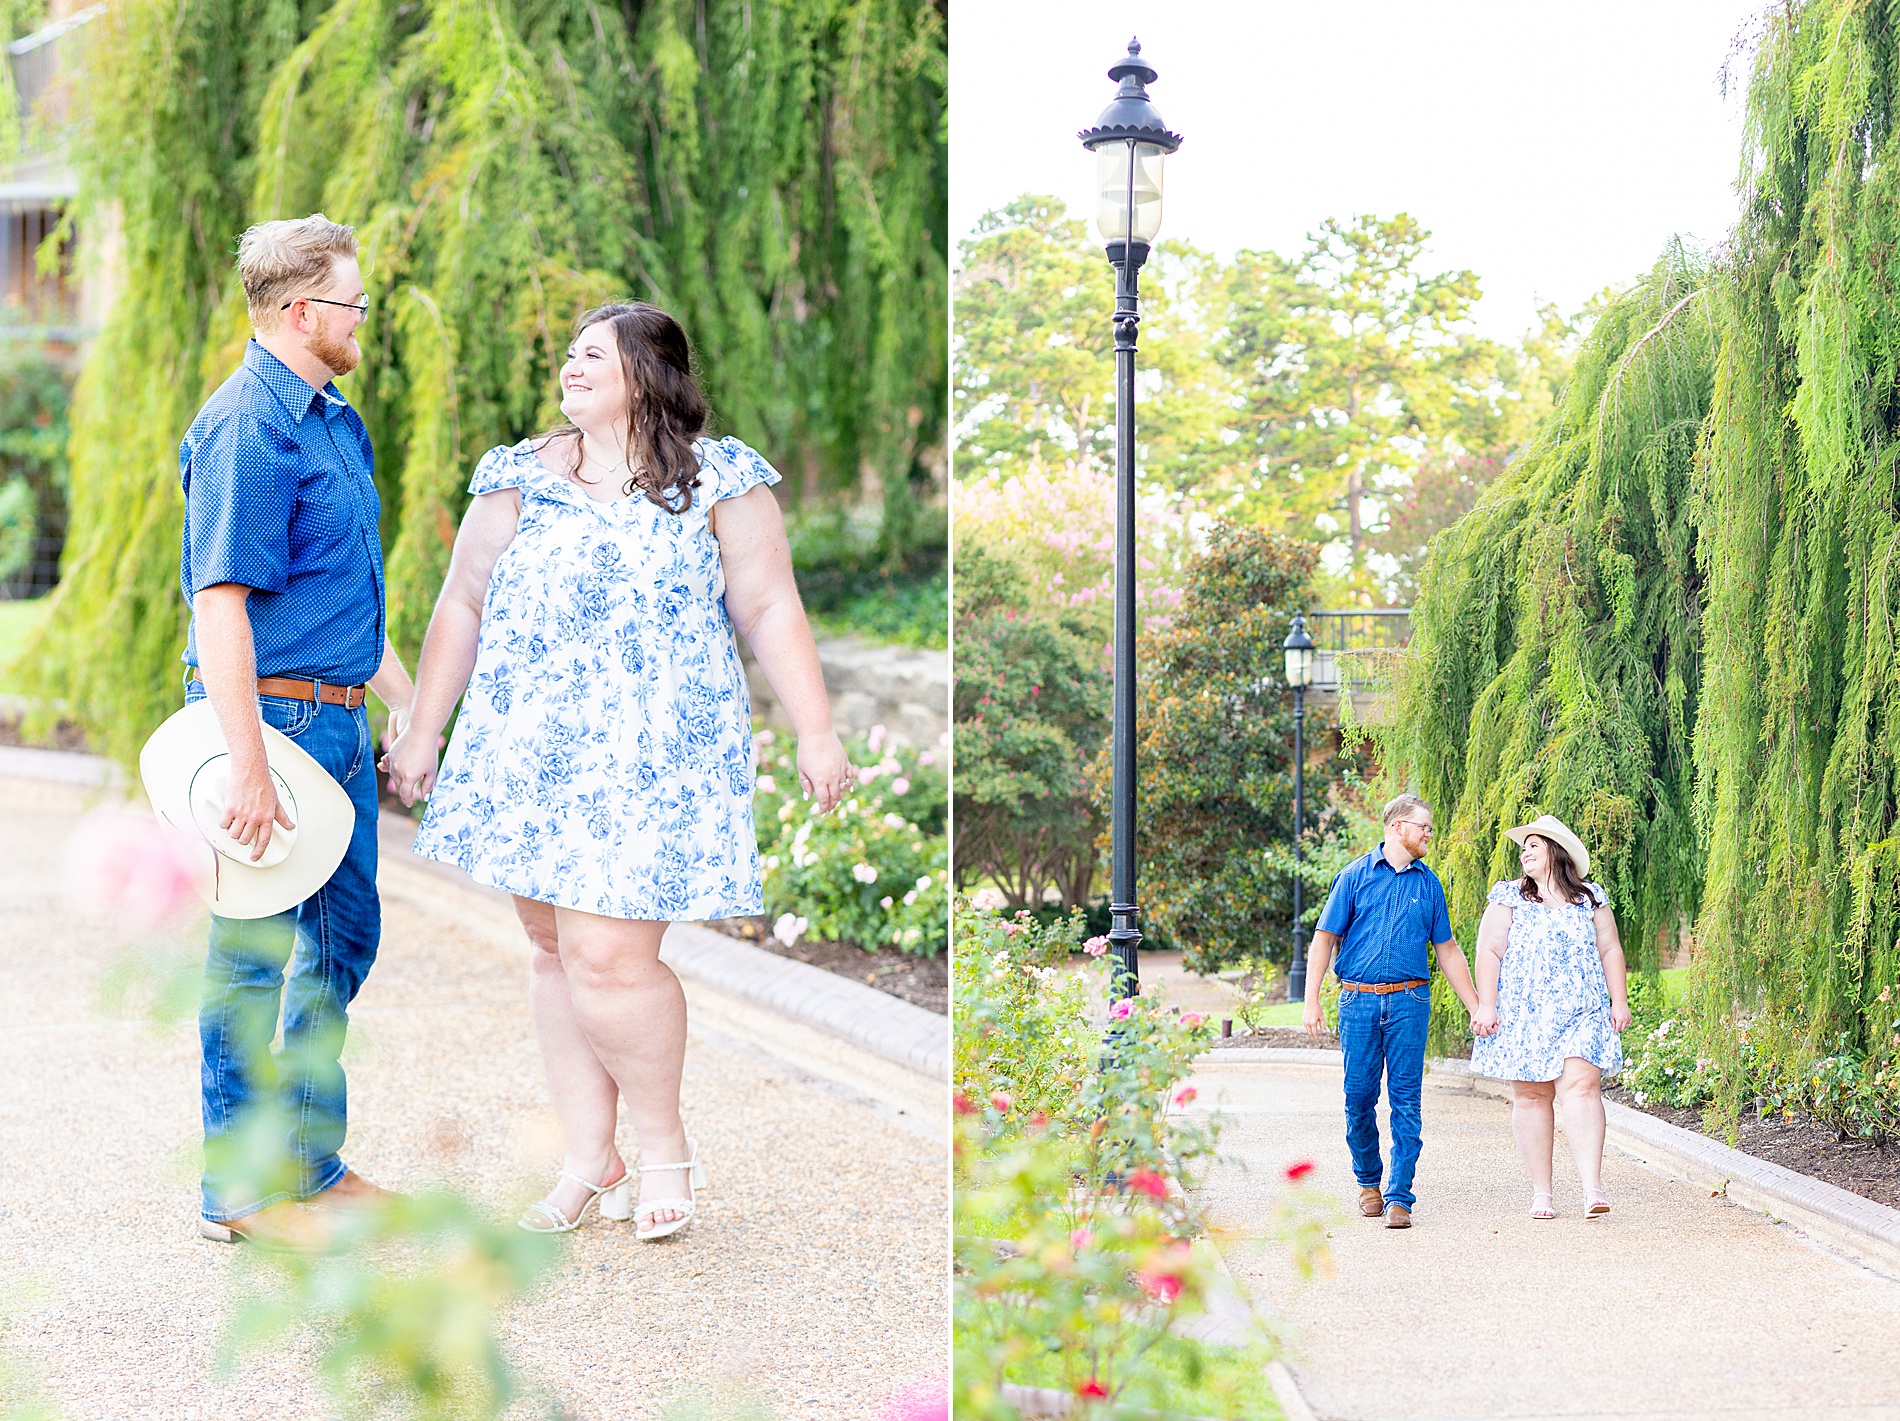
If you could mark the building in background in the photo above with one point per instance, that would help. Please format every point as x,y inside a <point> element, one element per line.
<point>53,298</point>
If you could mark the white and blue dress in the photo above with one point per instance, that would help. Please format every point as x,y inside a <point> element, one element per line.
<point>1553,1000</point>
<point>603,757</point>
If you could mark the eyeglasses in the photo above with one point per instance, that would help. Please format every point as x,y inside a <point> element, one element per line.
<point>1425,829</point>
<point>360,307</point>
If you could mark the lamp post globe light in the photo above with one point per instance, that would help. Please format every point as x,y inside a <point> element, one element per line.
<point>1130,143</point>
<point>1299,675</point>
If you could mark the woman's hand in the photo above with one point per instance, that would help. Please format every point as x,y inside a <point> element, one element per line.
<point>410,764</point>
<point>1484,1020</point>
<point>825,770</point>
<point>1620,1015</point>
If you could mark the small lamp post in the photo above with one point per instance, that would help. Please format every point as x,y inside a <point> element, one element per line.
<point>1130,143</point>
<point>1299,675</point>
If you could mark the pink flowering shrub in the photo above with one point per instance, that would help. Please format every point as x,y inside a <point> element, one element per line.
<point>875,870</point>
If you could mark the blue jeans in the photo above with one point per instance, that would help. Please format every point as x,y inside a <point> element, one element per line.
<point>274,1121</point>
<point>1384,1035</point>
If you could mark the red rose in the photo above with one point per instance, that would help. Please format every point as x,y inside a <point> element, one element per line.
<point>1299,1169</point>
<point>1091,1387</point>
<point>1000,1099</point>
<point>1146,1181</point>
<point>963,1104</point>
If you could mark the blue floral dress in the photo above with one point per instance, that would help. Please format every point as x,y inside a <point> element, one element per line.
<point>603,757</point>
<point>1553,1001</point>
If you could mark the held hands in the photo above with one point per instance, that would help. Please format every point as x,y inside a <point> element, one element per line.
<point>410,763</point>
<point>251,807</point>
<point>824,770</point>
<point>1484,1019</point>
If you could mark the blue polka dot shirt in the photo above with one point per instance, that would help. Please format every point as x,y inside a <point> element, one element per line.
<point>279,497</point>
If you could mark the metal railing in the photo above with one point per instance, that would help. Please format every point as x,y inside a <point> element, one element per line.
<point>1349,642</point>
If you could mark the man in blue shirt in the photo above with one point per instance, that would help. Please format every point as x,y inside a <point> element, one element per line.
<point>1383,910</point>
<point>282,565</point>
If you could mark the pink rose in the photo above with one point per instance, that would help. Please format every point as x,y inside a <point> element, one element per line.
<point>1001,1100</point>
<point>1122,1010</point>
<point>1095,946</point>
<point>1185,1095</point>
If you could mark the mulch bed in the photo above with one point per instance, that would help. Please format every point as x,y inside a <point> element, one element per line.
<point>1289,1036</point>
<point>921,981</point>
<point>1802,1144</point>
<point>66,735</point>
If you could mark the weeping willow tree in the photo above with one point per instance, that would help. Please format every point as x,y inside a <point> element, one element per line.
<point>1557,644</point>
<point>772,171</point>
<point>1796,746</point>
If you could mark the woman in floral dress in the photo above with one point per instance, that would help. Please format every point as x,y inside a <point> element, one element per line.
<point>601,769</point>
<point>1552,998</point>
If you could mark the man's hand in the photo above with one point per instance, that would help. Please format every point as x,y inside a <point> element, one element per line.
<point>251,807</point>
<point>398,722</point>
<point>1315,1020</point>
<point>1484,1020</point>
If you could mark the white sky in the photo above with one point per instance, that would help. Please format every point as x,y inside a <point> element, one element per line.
<point>1551,146</point>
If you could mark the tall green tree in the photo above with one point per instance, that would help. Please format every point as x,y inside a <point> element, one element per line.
<point>1351,363</point>
<point>770,170</point>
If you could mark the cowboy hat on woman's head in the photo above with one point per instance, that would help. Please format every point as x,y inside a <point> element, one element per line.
<point>1549,826</point>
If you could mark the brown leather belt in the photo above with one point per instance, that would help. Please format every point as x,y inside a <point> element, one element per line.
<point>349,697</point>
<point>1381,989</point>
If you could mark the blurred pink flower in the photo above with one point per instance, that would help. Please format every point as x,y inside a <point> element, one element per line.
<point>767,785</point>
<point>1299,1169</point>
<point>875,739</point>
<point>1096,946</point>
<point>900,785</point>
<point>1146,1181</point>
<point>929,757</point>
<point>1001,1100</point>
<point>1185,1095</point>
<point>1190,1018</point>
<point>1122,1010</point>
<point>988,898</point>
<point>923,1401</point>
<point>126,860</point>
<point>867,774</point>
<point>1081,1238</point>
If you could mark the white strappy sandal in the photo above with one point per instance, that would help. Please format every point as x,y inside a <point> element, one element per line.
<point>612,1200</point>
<point>695,1181</point>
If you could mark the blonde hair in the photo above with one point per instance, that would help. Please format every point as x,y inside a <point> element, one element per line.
<point>282,260</point>
<point>1403,806</point>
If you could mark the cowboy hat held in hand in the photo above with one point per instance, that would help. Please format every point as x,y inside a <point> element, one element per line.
<point>186,770</point>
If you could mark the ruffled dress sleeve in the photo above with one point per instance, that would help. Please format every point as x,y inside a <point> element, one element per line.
<point>1598,897</point>
<point>1505,893</point>
<point>502,467</point>
<point>729,467</point>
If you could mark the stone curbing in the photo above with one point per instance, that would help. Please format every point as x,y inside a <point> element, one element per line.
<point>882,1025</point>
<point>1860,1228</point>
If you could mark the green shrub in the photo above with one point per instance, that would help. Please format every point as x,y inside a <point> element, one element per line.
<point>1031,709</point>
<point>875,871</point>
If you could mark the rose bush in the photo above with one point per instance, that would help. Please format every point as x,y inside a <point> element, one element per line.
<point>1079,1249</point>
<point>875,871</point>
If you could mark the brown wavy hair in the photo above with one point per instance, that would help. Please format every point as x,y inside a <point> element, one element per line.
<point>1563,873</point>
<point>666,410</point>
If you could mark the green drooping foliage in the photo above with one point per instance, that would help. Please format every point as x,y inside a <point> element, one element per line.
<point>1796,747</point>
<point>772,171</point>
<point>1557,648</point>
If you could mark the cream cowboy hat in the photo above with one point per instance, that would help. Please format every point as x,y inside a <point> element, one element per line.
<point>1549,826</point>
<point>186,770</point>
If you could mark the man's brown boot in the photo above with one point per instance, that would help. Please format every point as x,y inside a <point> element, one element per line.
<point>1371,1201</point>
<point>1397,1216</point>
<point>353,1191</point>
<point>285,1226</point>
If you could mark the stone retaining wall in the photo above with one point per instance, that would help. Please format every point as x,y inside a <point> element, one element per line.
<point>905,691</point>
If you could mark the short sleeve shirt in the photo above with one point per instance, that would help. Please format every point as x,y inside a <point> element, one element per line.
<point>1385,920</point>
<point>280,497</point>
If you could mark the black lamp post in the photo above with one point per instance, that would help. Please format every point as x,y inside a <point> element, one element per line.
<point>1299,675</point>
<point>1130,142</point>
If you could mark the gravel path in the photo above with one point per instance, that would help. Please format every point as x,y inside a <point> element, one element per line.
<point>1677,1306</point>
<point>815,1277</point>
